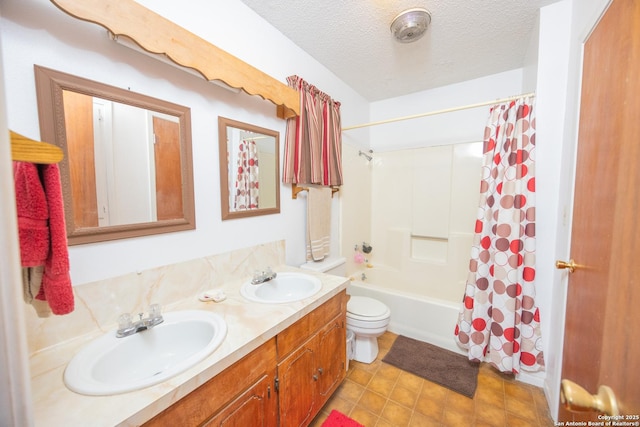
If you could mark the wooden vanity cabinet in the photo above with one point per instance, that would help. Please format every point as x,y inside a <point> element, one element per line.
<point>241,395</point>
<point>311,362</point>
<point>285,382</point>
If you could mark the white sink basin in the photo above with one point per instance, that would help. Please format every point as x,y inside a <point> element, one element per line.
<point>286,287</point>
<point>110,365</point>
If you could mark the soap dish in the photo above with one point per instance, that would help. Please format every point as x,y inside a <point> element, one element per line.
<point>216,295</point>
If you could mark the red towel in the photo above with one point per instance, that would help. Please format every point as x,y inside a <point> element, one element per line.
<point>33,214</point>
<point>42,231</point>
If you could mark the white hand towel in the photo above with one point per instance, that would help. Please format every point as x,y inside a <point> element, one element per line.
<point>318,223</point>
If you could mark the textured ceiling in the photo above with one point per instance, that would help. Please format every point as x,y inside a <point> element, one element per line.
<point>467,39</point>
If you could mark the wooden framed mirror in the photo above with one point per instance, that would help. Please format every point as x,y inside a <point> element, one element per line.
<point>249,169</point>
<point>127,168</point>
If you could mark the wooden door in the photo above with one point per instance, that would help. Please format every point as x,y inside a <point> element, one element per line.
<point>602,330</point>
<point>297,387</point>
<point>332,343</point>
<point>81,157</point>
<point>168,169</point>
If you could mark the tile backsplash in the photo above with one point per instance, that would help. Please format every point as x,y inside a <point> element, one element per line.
<point>98,304</point>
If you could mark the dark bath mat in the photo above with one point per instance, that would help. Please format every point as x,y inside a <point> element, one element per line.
<point>444,367</point>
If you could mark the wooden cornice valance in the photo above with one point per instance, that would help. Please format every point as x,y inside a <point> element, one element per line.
<point>158,35</point>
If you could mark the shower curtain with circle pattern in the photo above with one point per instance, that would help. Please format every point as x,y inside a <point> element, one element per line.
<point>248,177</point>
<point>499,320</point>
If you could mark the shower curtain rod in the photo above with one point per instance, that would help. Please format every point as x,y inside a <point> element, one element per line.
<point>446,110</point>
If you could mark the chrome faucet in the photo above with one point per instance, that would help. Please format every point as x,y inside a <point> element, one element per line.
<point>263,276</point>
<point>126,325</point>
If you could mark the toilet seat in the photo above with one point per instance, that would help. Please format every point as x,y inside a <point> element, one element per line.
<point>367,309</point>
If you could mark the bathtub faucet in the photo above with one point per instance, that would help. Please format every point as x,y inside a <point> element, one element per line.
<point>363,277</point>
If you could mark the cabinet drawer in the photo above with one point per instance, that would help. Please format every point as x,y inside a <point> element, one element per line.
<point>294,336</point>
<point>202,403</point>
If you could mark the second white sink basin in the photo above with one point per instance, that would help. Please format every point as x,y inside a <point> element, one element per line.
<point>286,287</point>
<point>110,365</point>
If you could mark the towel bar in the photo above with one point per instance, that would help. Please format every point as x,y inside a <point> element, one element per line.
<point>295,189</point>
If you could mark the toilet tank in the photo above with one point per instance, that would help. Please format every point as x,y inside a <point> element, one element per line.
<point>336,266</point>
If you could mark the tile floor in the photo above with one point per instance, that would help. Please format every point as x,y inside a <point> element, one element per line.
<point>381,395</point>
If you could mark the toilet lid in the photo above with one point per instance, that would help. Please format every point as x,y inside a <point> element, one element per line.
<point>366,307</point>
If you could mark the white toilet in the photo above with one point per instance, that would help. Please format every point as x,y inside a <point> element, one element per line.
<point>366,317</point>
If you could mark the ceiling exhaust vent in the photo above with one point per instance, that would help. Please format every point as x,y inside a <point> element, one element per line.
<point>410,25</point>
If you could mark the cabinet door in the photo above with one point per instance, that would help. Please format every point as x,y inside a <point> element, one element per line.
<point>330,364</point>
<point>237,391</point>
<point>255,407</point>
<point>298,387</point>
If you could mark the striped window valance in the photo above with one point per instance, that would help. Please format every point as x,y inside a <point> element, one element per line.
<point>313,143</point>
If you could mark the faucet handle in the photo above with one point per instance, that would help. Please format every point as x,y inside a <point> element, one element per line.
<point>125,321</point>
<point>155,311</point>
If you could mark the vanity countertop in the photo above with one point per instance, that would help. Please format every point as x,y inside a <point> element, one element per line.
<point>249,325</point>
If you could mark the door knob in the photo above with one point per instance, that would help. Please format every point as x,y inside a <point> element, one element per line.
<point>577,399</point>
<point>571,265</point>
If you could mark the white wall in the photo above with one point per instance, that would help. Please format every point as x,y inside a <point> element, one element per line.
<point>355,201</point>
<point>15,387</point>
<point>550,103</point>
<point>530,68</point>
<point>449,128</point>
<point>37,32</point>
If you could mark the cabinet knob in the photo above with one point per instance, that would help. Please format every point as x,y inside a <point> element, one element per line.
<point>321,371</point>
<point>315,378</point>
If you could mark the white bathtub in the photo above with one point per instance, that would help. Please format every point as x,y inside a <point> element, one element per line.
<point>427,319</point>
<point>423,318</point>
